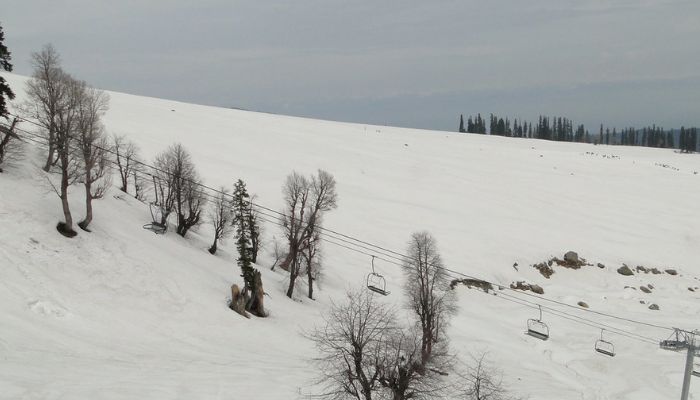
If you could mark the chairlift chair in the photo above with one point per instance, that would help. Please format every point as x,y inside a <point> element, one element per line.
<point>536,328</point>
<point>157,225</point>
<point>604,347</point>
<point>674,343</point>
<point>376,282</point>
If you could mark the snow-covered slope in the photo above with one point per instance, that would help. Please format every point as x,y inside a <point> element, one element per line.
<point>122,313</point>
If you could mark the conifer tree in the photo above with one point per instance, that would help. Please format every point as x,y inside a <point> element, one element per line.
<point>241,204</point>
<point>254,230</point>
<point>5,91</point>
<point>481,125</point>
<point>682,139</point>
<point>461,124</point>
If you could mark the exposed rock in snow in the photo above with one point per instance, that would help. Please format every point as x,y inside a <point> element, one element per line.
<point>625,270</point>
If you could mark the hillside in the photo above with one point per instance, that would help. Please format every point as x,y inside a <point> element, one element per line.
<point>122,313</point>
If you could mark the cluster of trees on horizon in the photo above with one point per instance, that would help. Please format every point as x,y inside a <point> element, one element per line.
<point>562,129</point>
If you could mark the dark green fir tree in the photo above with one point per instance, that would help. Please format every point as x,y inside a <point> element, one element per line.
<point>5,91</point>
<point>241,205</point>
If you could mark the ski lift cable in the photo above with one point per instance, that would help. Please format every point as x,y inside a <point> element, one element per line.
<point>530,304</point>
<point>562,315</point>
<point>405,257</point>
<point>446,269</point>
<point>574,318</point>
<point>505,286</point>
<point>112,165</point>
<point>519,301</point>
<point>585,321</point>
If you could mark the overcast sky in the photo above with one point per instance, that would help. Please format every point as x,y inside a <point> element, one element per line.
<point>413,63</point>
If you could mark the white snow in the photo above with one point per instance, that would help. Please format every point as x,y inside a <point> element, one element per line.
<point>122,313</point>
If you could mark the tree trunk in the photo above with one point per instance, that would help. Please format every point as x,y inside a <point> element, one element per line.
<point>181,225</point>
<point>66,228</point>
<point>88,204</point>
<point>256,305</point>
<point>182,230</point>
<point>124,185</point>
<point>212,249</point>
<point>293,271</point>
<point>286,263</point>
<point>66,211</point>
<point>237,301</point>
<point>311,281</point>
<point>254,250</point>
<point>49,159</point>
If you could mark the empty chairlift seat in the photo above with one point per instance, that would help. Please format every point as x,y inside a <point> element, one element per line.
<point>674,343</point>
<point>604,347</point>
<point>159,224</point>
<point>538,329</point>
<point>376,282</point>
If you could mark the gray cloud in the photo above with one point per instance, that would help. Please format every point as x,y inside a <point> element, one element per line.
<point>410,63</point>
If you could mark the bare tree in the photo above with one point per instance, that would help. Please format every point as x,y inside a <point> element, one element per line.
<point>405,375</point>
<point>189,210</point>
<point>428,291</point>
<point>220,217</point>
<point>10,145</point>
<point>482,381</point>
<point>305,202</point>
<point>126,153</point>
<point>66,134</point>
<point>93,148</point>
<point>46,93</point>
<point>296,196</point>
<point>350,345</point>
<point>140,184</point>
<point>278,253</point>
<point>311,255</point>
<point>178,188</point>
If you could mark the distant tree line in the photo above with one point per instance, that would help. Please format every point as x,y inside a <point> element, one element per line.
<point>562,129</point>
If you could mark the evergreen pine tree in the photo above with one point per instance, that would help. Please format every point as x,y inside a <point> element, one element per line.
<point>5,91</point>
<point>682,140</point>
<point>254,231</point>
<point>241,205</point>
<point>500,127</point>
<point>461,124</point>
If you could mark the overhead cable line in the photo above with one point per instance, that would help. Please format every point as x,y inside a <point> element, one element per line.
<point>400,258</point>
